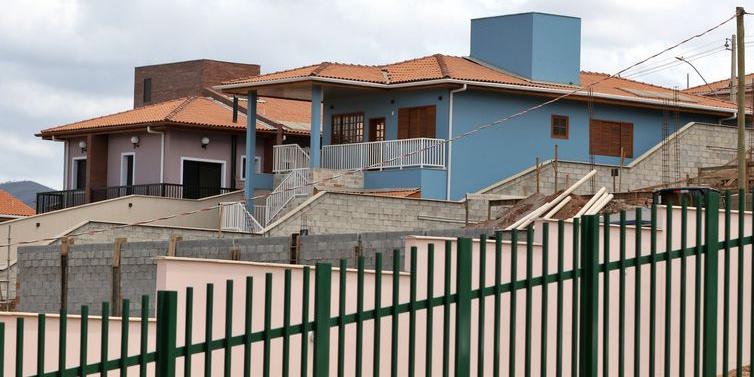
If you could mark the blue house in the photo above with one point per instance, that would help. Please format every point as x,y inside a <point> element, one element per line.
<point>451,125</point>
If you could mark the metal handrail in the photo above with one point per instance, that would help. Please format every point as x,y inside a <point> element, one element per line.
<point>417,152</point>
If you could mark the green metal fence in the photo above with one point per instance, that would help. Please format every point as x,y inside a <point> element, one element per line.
<point>469,307</point>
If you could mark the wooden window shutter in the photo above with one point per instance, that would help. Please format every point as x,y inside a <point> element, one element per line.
<point>428,122</point>
<point>627,139</point>
<point>606,138</point>
<point>404,123</point>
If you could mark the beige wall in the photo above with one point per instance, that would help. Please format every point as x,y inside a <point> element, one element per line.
<point>128,210</point>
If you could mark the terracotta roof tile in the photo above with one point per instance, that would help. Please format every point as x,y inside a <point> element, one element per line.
<point>194,112</point>
<point>12,206</point>
<point>716,86</point>
<point>444,66</point>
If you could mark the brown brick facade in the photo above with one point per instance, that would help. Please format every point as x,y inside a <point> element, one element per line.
<point>176,80</point>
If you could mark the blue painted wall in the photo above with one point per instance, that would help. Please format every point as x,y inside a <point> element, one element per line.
<point>430,181</point>
<point>378,105</point>
<point>263,181</point>
<point>503,150</point>
<point>543,47</point>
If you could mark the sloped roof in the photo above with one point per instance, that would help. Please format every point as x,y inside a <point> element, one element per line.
<point>12,206</point>
<point>721,86</point>
<point>436,67</point>
<point>202,112</point>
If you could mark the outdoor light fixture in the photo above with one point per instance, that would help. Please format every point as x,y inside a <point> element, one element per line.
<point>135,141</point>
<point>205,142</point>
<point>82,145</point>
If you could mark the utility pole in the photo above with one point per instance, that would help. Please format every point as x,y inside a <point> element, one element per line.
<point>741,115</point>
<point>733,68</point>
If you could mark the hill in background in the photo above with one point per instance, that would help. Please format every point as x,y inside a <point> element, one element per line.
<point>26,191</point>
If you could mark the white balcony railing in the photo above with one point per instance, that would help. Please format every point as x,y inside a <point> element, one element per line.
<point>235,217</point>
<point>287,157</point>
<point>296,183</point>
<point>421,152</point>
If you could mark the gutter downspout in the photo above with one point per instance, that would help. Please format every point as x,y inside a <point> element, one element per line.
<point>162,152</point>
<point>450,136</point>
<point>735,115</point>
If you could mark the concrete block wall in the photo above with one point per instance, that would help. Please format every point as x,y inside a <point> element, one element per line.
<point>700,145</point>
<point>338,213</point>
<point>90,272</point>
<point>99,232</point>
<point>327,180</point>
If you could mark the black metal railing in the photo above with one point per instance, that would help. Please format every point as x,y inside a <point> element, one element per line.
<point>56,200</point>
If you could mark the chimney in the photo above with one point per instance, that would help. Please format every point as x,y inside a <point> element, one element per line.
<point>538,46</point>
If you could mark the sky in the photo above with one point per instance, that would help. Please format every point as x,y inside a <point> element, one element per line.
<point>65,61</point>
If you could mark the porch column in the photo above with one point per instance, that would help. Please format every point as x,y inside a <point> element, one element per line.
<point>314,141</point>
<point>251,143</point>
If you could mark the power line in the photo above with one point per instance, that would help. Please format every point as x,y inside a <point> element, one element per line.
<point>382,163</point>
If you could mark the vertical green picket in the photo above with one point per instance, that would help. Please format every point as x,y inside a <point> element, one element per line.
<point>208,319</point>
<point>41,319</point>
<point>588,339</point>
<point>622,297</point>
<point>305,323</point>
<point>412,316</point>
<point>668,284</point>
<point>188,330</point>
<point>480,311</point>
<point>62,341</point>
<point>559,306</point>
<point>606,297</point>
<point>143,336</point>
<point>104,341</point>
<point>575,299</point>
<point>446,313</point>
<point>247,329</point>
<point>652,288</point>
<point>228,327</point>
<point>528,308</point>
<point>711,247</point>
<point>514,277</point>
<point>430,309</point>
<point>463,308</point>
<point>167,318</point>
<point>377,317</point>
<point>359,316</point>
<point>266,337</point>
<point>322,294</point>
<point>341,317</point>
<point>544,320</point>
<point>684,268</point>
<point>638,304</point>
<point>498,299</point>
<point>124,318</point>
<point>19,347</point>
<point>83,340</point>
<point>394,313</point>
<point>286,323</point>
<point>698,287</point>
<point>2,348</point>
<point>726,288</point>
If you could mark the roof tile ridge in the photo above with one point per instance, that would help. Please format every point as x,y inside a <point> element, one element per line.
<point>653,85</point>
<point>441,63</point>
<point>321,67</point>
<point>180,107</point>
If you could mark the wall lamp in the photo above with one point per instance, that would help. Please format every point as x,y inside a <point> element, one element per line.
<point>205,142</point>
<point>82,145</point>
<point>135,141</point>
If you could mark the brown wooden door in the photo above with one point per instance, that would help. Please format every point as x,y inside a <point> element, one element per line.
<point>414,122</point>
<point>377,129</point>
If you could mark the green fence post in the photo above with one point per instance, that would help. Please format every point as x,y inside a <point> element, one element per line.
<point>589,296</point>
<point>322,294</point>
<point>2,348</point>
<point>711,247</point>
<point>463,308</point>
<point>167,312</point>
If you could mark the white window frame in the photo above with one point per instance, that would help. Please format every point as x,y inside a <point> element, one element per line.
<point>123,177</point>
<point>74,168</point>
<point>221,162</point>
<point>257,166</point>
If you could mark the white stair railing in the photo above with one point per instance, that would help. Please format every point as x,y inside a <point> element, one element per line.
<point>235,217</point>
<point>287,157</point>
<point>296,183</point>
<point>421,152</point>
